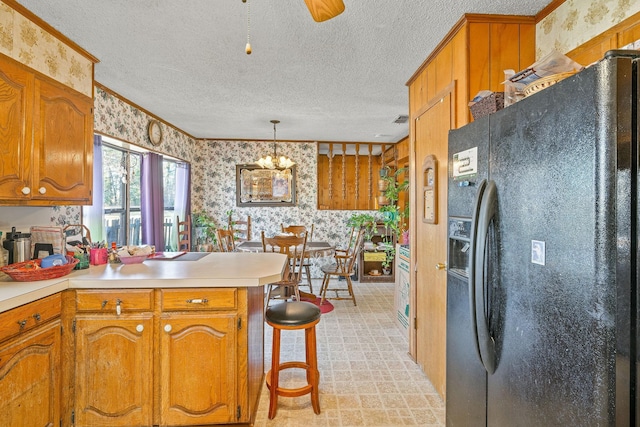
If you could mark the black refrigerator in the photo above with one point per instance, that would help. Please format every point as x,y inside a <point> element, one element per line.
<point>542,310</point>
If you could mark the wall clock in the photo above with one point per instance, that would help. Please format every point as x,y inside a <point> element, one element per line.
<point>155,132</point>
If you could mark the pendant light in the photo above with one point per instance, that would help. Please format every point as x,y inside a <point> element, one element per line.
<point>275,162</point>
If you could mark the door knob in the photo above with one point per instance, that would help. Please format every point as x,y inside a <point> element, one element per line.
<point>42,190</point>
<point>441,266</point>
<point>26,190</point>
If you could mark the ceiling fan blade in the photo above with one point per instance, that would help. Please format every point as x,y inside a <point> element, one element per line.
<point>322,10</point>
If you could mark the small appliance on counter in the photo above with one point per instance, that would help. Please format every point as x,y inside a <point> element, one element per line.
<point>18,246</point>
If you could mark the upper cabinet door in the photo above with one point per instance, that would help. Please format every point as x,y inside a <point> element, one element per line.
<point>63,145</point>
<point>16,99</point>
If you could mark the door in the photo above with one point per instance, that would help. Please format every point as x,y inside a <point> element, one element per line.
<point>114,383</point>
<point>198,369</point>
<point>431,139</point>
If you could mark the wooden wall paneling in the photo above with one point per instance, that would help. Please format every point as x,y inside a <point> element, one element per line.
<point>356,168</point>
<point>460,66</point>
<point>591,52</point>
<point>343,177</point>
<point>527,41</point>
<point>370,177</point>
<point>324,198</point>
<point>443,68</point>
<point>503,53</point>
<point>430,81</point>
<point>631,31</point>
<point>478,58</point>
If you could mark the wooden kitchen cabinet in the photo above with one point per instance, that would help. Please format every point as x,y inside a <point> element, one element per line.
<point>30,364</point>
<point>113,371</point>
<point>198,369</point>
<point>114,358</point>
<point>199,356</point>
<point>47,141</point>
<point>168,357</point>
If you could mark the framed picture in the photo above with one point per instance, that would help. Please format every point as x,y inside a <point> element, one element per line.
<point>265,187</point>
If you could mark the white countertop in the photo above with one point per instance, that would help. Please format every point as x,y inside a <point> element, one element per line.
<point>235,269</point>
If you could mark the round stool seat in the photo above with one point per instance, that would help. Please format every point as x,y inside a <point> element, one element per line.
<point>292,314</point>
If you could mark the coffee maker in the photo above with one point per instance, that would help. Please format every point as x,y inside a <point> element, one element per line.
<point>18,245</point>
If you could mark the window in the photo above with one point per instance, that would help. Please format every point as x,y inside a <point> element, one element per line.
<point>121,166</point>
<point>121,199</point>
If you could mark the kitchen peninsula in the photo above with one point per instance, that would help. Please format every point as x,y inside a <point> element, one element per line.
<point>159,343</point>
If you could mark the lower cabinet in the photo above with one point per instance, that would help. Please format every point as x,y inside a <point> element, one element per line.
<point>167,357</point>
<point>198,369</point>
<point>30,365</point>
<point>113,370</point>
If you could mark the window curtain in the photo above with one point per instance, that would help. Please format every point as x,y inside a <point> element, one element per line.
<point>152,201</point>
<point>183,190</point>
<point>93,216</point>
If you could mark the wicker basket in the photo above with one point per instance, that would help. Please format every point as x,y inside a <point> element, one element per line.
<point>545,82</point>
<point>487,105</point>
<point>30,271</point>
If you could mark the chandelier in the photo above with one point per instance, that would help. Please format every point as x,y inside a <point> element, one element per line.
<point>275,162</point>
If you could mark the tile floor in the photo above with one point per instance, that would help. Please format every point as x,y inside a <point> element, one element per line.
<point>366,375</point>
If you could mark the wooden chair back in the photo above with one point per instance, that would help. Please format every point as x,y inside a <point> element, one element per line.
<point>298,230</point>
<point>226,242</point>
<point>292,246</point>
<point>241,228</point>
<point>184,234</point>
<point>346,261</point>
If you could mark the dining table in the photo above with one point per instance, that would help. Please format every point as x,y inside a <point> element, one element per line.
<point>313,249</point>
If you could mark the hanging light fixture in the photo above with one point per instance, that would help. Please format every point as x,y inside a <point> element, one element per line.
<point>275,162</point>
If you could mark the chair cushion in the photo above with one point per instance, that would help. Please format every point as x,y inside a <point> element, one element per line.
<point>294,313</point>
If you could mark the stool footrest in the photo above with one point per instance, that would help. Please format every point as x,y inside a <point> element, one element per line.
<point>291,392</point>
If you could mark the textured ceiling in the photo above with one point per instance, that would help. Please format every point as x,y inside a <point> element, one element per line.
<point>340,80</point>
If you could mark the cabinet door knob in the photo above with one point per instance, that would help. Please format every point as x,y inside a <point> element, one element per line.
<point>37,317</point>
<point>42,190</point>
<point>167,328</point>
<point>22,323</point>
<point>26,190</point>
<point>441,266</point>
<point>118,307</point>
<point>140,328</point>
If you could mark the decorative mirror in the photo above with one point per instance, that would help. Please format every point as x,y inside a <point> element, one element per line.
<point>256,186</point>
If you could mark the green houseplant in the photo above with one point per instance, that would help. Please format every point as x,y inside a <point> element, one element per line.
<point>365,221</point>
<point>207,237</point>
<point>393,216</point>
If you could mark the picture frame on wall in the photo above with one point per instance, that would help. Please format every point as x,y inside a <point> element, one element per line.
<point>256,186</point>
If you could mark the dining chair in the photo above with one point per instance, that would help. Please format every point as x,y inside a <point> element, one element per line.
<point>241,228</point>
<point>294,248</point>
<point>184,234</point>
<point>226,241</point>
<point>306,264</point>
<point>343,266</point>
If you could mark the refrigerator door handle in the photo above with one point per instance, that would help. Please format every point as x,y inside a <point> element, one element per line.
<point>473,247</point>
<point>486,213</point>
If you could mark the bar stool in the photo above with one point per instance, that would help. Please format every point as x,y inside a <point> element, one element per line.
<point>294,315</point>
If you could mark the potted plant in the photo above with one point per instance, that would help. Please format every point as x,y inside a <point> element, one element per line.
<point>207,238</point>
<point>365,221</point>
<point>394,218</point>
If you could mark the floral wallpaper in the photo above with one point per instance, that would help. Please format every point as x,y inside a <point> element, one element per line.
<point>29,44</point>
<point>577,21</point>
